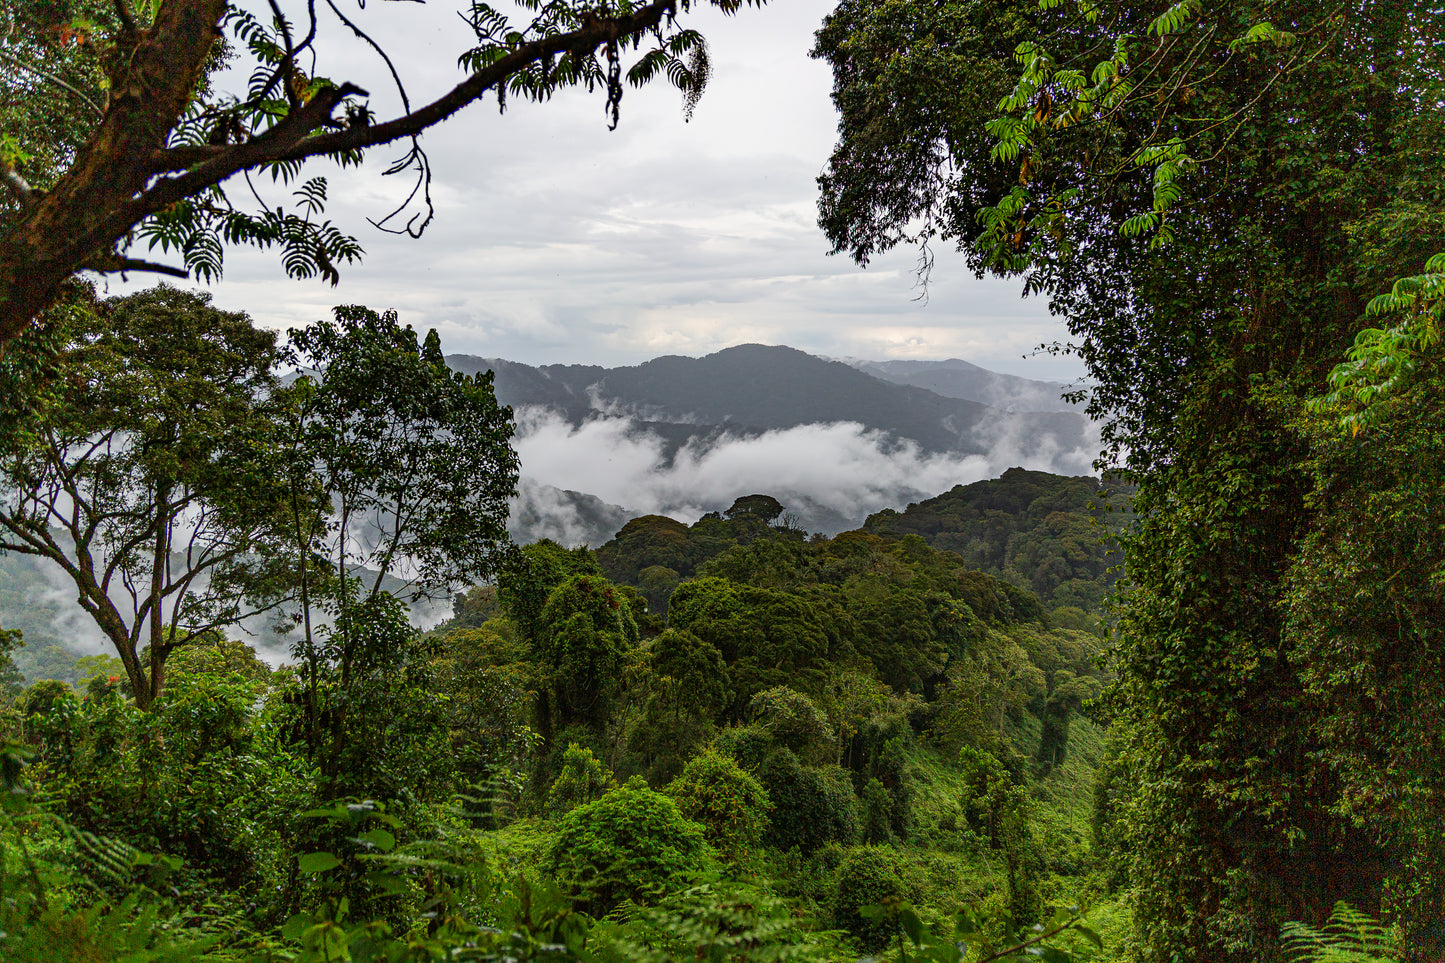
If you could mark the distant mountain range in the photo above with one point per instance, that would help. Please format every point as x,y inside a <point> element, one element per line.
<point>699,408</point>
<point>955,378</point>
<point>941,406</point>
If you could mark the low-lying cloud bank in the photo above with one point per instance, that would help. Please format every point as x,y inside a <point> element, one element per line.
<point>830,475</point>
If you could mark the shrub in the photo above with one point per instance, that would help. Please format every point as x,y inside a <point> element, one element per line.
<point>631,844</point>
<point>867,878</point>
<point>583,780</point>
<point>810,806</point>
<point>729,804</point>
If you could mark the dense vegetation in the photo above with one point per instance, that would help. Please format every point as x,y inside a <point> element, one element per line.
<point>801,729</point>
<point>728,740</point>
<point>1231,206</point>
<point>1055,536</point>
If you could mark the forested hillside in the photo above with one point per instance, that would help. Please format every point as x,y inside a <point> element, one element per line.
<point>800,728</point>
<point>1054,535</point>
<point>730,740</point>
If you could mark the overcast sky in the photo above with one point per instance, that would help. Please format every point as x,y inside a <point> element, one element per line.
<point>556,240</point>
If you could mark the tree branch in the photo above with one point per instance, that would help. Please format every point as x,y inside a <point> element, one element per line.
<point>17,184</point>
<point>112,263</point>
<point>289,139</point>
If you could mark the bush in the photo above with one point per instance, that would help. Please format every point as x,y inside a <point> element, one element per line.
<point>794,720</point>
<point>868,878</point>
<point>631,844</point>
<point>810,806</point>
<point>583,780</point>
<point>749,745</point>
<point>729,804</point>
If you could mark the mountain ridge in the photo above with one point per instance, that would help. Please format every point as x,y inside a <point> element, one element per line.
<point>754,387</point>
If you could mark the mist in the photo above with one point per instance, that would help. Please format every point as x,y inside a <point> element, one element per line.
<point>830,475</point>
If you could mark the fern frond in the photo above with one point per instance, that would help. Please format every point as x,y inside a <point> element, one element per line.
<point>1348,936</point>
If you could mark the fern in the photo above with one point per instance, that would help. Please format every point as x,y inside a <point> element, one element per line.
<point>1348,936</point>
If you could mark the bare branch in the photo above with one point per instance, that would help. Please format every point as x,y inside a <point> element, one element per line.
<point>113,263</point>
<point>17,184</point>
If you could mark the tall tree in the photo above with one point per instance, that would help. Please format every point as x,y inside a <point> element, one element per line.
<point>416,465</point>
<point>115,132</point>
<point>1210,196</point>
<point>145,484</point>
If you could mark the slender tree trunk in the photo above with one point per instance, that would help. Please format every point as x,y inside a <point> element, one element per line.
<point>159,564</point>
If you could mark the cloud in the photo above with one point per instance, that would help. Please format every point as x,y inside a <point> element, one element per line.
<point>835,474</point>
<point>556,240</point>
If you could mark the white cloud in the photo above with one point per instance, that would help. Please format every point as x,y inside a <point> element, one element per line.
<point>556,240</point>
<point>841,467</point>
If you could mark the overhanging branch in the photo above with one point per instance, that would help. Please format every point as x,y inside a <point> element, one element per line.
<point>114,263</point>
<point>292,139</point>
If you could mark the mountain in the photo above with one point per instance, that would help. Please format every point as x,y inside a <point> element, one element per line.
<point>956,378</point>
<point>834,441</point>
<point>754,387</point>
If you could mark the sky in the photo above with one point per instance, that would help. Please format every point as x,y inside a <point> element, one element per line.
<point>559,241</point>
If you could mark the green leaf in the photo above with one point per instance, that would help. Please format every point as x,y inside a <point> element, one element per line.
<point>317,862</point>
<point>379,838</point>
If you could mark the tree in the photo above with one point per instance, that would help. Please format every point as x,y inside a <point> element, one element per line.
<point>415,463</point>
<point>142,143</point>
<point>1209,195</point>
<point>416,457</point>
<point>767,638</point>
<point>146,484</point>
<point>523,588</point>
<point>687,689</point>
<point>587,630</point>
<point>11,680</point>
<point>632,843</point>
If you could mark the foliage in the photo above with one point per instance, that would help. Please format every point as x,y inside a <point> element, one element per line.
<point>582,780</point>
<point>713,923</point>
<point>523,587</point>
<point>632,844</point>
<point>42,915</point>
<point>488,706</point>
<point>868,878</point>
<point>135,134</point>
<point>1383,361</point>
<point>415,465</point>
<point>768,638</point>
<point>381,727</point>
<point>381,832</point>
<point>725,800</point>
<point>972,933</point>
<point>793,721</point>
<point>11,680</point>
<point>811,807</point>
<point>586,630</point>
<point>688,683</point>
<point>1348,936</point>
